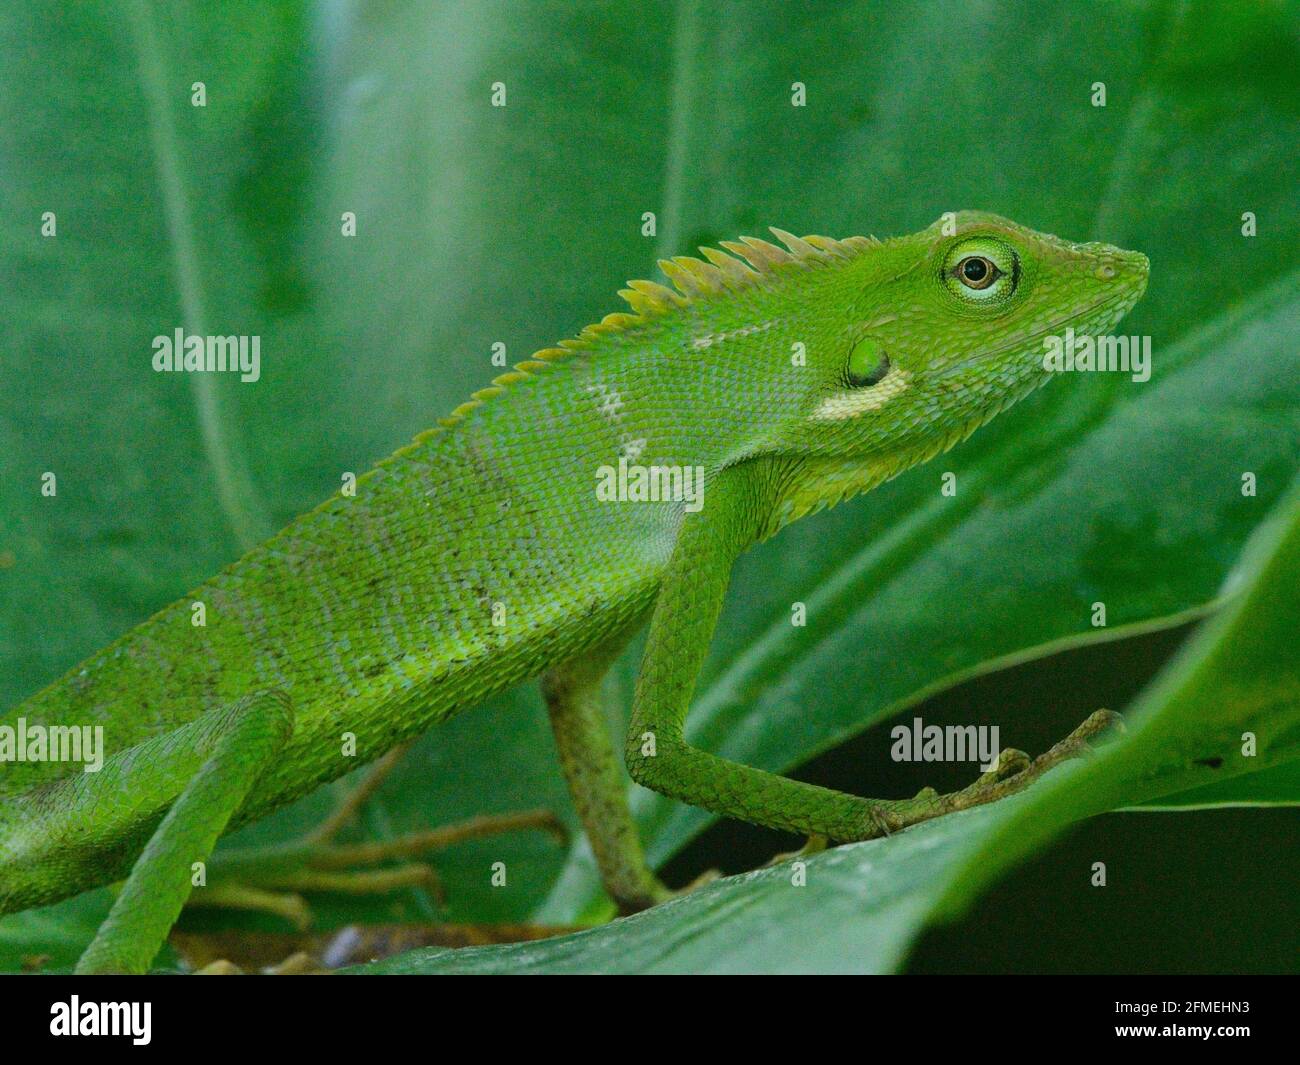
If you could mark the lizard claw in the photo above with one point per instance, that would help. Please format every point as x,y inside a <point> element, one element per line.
<point>1011,762</point>
<point>882,821</point>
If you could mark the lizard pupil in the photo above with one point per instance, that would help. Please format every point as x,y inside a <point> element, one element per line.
<point>976,272</point>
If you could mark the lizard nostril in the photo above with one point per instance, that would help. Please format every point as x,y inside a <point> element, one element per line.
<point>1105,272</point>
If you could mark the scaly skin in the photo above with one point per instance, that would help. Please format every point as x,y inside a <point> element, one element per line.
<point>481,555</point>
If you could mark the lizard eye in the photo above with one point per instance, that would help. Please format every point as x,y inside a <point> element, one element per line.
<point>981,269</point>
<point>977,272</point>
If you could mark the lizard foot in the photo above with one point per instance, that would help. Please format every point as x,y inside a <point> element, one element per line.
<point>1013,772</point>
<point>813,845</point>
<point>221,967</point>
<point>703,880</point>
<point>275,879</point>
<point>299,963</point>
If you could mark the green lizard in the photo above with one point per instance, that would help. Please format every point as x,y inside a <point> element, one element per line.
<point>774,381</point>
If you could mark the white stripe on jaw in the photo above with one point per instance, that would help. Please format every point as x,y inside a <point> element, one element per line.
<point>860,400</point>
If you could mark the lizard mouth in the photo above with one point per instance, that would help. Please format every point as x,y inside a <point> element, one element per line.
<point>1123,300</point>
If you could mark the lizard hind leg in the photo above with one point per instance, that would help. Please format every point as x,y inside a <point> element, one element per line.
<point>246,738</point>
<point>274,879</point>
<point>597,783</point>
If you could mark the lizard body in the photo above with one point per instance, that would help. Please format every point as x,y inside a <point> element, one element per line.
<point>483,554</point>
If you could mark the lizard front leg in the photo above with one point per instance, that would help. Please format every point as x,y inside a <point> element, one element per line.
<point>685,613</point>
<point>657,754</point>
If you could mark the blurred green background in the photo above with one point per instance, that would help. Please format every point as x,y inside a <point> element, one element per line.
<point>478,225</point>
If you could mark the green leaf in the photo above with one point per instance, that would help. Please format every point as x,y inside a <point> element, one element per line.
<point>516,224</point>
<point>860,909</point>
<point>1278,786</point>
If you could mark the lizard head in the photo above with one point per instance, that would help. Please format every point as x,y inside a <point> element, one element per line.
<point>947,327</point>
<point>952,323</point>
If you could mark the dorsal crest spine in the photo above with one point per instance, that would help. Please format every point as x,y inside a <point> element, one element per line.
<point>752,263</point>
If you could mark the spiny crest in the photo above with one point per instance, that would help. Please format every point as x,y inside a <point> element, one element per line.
<point>751,262</point>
